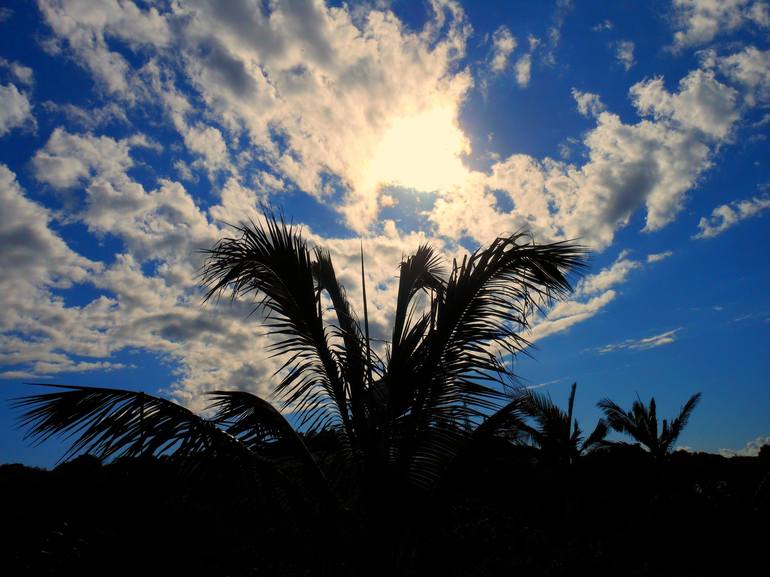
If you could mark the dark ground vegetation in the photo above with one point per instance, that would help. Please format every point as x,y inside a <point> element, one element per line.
<point>502,511</point>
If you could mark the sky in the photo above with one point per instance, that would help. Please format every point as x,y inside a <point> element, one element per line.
<point>132,133</point>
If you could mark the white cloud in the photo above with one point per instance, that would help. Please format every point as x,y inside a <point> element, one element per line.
<point>652,163</point>
<point>524,70</point>
<point>698,22</point>
<point>643,344</point>
<point>565,315</point>
<point>611,276</point>
<point>84,27</point>
<point>702,103</point>
<point>624,53</point>
<point>21,73</point>
<point>751,69</point>
<point>68,159</point>
<point>603,26</point>
<point>588,104</point>
<point>207,142</point>
<point>88,118</point>
<point>15,109</point>
<point>311,95</point>
<point>503,44</point>
<point>657,257</point>
<point>751,449</point>
<point>727,215</point>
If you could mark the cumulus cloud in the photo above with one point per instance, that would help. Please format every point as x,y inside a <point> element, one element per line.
<point>15,109</point>
<point>643,344</point>
<point>652,163</point>
<point>698,22</point>
<point>702,103</point>
<point>751,449</point>
<point>337,104</point>
<point>728,215</point>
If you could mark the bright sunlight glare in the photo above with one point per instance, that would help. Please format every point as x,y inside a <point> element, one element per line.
<point>421,152</point>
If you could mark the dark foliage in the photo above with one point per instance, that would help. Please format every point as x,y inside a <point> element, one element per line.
<point>614,512</point>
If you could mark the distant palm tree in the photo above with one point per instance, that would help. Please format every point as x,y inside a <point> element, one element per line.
<point>397,421</point>
<point>557,434</point>
<point>641,423</point>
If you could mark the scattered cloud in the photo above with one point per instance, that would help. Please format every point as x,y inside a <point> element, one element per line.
<point>15,109</point>
<point>22,74</point>
<point>337,104</point>
<point>615,274</point>
<point>588,104</point>
<point>91,118</point>
<point>643,344</point>
<point>524,70</point>
<point>728,215</point>
<point>503,44</point>
<point>561,11</point>
<point>624,53</point>
<point>657,257</point>
<point>603,26</point>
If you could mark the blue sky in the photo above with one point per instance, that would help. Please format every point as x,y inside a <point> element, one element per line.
<point>130,132</point>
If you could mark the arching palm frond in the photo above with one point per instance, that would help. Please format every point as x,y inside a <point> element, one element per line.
<point>351,355</point>
<point>272,262</point>
<point>421,272</point>
<point>508,422</point>
<point>255,422</point>
<point>482,310</point>
<point>121,423</point>
<point>671,433</point>
<point>486,304</point>
<point>597,437</point>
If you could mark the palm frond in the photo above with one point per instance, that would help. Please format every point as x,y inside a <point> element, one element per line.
<point>596,438</point>
<point>680,422</point>
<point>121,423</point>
<point>255,422</point>
<point>486,304</point>
<point>352,358</point>
<point>271,261</point>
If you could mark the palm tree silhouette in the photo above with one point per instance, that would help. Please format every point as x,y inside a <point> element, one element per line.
<point>641,423</point>
<point>557,434</point>
<point>397,421</point>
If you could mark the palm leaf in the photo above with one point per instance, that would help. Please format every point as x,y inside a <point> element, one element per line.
<point>255,422</point>
<point>120,423</point>
<point>271,261</point>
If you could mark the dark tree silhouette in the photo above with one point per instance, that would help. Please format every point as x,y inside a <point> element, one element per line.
<point>557,434</point>
<point>641,423</point>
<point>397,422</point>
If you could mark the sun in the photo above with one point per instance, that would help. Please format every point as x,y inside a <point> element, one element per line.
<point>421,151</point>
